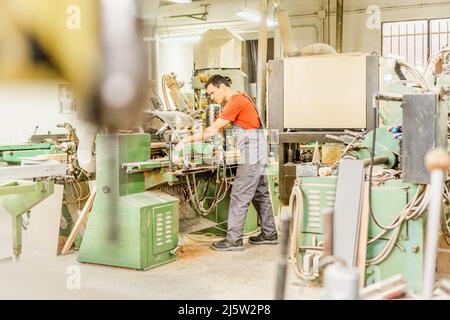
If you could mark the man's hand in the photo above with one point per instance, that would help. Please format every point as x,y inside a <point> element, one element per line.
<point>179,146</point>
<point>207,133</point>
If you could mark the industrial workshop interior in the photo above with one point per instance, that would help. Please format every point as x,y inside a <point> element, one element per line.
<point>224,150</point>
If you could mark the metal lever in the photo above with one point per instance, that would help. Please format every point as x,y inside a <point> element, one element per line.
<point>283,258</point>
<point>437,162</point>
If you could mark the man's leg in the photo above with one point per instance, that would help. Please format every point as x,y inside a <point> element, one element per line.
<point>263,205</point>
<point>242,193</point>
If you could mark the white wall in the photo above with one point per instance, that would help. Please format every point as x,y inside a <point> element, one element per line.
<point>25,106</point>
<point>29,105</point>
<point>357,35</point>
<point>176,57</point>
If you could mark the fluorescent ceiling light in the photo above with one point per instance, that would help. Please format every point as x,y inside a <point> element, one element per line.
<point>252,16</point>
<point>180,1</point>
<point>181,39</point>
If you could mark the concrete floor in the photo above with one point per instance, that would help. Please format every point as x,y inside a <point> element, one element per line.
<point>199,273</point>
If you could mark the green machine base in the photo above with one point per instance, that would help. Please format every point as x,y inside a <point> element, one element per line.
<point>144,231</point>
<point>17,197</point>
<point>388,200</point>
<point>146,235</point>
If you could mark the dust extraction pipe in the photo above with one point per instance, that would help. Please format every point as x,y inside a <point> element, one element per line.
<point>317,49</point>
<point>287,40</point>
<point>284,25</point>
<point>339,24</point>
<point>262,60</point>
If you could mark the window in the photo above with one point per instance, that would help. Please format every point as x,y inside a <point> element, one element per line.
<point>408,39</point>
<point>416,40</point>
<point>440,35</point>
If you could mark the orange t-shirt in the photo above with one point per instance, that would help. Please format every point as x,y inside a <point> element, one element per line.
<point>241,112</point>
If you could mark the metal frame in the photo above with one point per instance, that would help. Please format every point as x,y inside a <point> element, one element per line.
<point>296,137</point>
<point>275,97</point>
<point>198,16</point>
<point>32,171</point>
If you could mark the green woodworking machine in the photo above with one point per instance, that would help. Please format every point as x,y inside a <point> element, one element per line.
<point>159,193</point>
<point>359,151</point>
<point>29,171</point>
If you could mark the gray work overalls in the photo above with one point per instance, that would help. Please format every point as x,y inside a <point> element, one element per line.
<point>251,183</point>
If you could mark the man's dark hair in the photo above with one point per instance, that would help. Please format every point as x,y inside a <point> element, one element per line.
<point>216,80</point>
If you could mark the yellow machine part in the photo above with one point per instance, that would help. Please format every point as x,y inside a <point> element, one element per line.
<point>45,39</point>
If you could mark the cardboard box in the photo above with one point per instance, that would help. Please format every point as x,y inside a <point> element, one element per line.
<point>442,244</point>
<point>443,261</point>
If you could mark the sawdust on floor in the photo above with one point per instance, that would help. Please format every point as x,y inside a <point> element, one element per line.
<point>190,251</point>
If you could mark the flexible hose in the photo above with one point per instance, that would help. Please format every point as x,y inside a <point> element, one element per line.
<point>413,210</point>
<point>218,197</point>
<point>416,74</point>
<point>210,237</point>
<point>296,209</point>
<point>164,91</point>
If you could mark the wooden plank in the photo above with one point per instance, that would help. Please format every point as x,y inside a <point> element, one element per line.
<point>361,254</point>
<point>45,219</point>
<point>60,157</point>
<point>347,209</point>
<point>82,218</point>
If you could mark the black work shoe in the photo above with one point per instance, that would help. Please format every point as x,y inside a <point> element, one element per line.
<point>263,239</point>
<point>225,245</point>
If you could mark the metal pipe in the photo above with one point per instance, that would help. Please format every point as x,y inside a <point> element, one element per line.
<point>376,161</point>
<point>262,60</point>
<point>323,30</point>
<point>283,258</point>
<point>388,97</point>
<point>162,129</point>
<point>328,232</point>
<point>339,24</point>
<point>329,25</point>
<point>171,156</point>
<point>195,28</point>
<point>316,29</point>
<point>341,283</point>
<point>158,145</point>
<point>437,162</point>
<point>284,25</point>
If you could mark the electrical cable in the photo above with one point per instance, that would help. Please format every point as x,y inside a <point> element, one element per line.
<point>210,237</point>
<point>296,209</point>
<point>413,210</point>
<point>218,197</point>
<point>372,157</point>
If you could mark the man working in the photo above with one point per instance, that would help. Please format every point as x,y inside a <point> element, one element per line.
<point>251,184</point>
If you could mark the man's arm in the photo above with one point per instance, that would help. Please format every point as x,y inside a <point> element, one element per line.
<point>207,133</point>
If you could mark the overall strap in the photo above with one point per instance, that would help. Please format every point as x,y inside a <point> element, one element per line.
<point>254,106</point>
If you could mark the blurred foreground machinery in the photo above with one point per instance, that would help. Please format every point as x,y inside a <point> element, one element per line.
<point>98,48</point>
<point>79,41</point>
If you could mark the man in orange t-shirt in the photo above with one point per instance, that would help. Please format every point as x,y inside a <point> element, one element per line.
<point>251,184</point>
